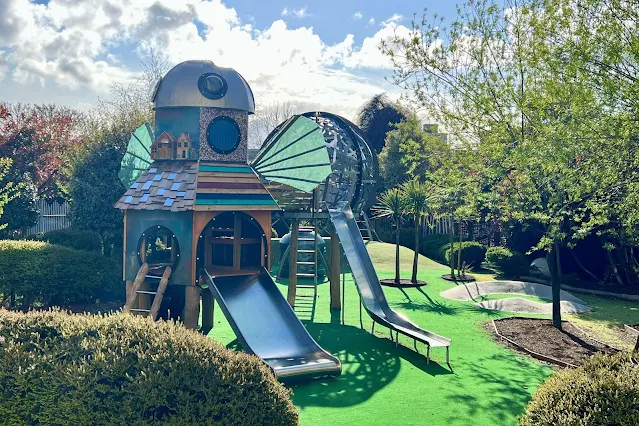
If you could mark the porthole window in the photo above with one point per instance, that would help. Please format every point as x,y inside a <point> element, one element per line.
<point>212,86</point>
<point>158,247</point>
<point>223,135</point>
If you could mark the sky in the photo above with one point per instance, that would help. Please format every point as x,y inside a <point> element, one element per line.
<point>320,55</point>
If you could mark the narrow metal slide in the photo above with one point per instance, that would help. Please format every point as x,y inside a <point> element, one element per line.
<point>266,326</point>
<point>370,289</point>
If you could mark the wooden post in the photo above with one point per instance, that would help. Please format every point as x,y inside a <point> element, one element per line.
<point>129,287</point>
<point>157,300</point>
<point>191,306</point>
<point>292,263</point>
<point>208,307</point>
<point>237,237</point>
<point>139,280</point>
<point>335,270</point>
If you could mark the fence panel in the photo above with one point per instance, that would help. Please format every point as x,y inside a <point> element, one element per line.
<point>52,216</point>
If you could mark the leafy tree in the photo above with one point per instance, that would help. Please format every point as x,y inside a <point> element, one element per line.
<point>410,152</point>
<point>392,204</point>
<point>8,190</point>
<point>416,196</point>
<point>377,117</point>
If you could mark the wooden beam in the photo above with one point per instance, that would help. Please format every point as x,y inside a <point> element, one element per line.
<point>139,279</point>
<point>157,301</point>
<point>191,306</point>
<point>292,263</point>
<point>335,270</point>
<point>237,236</point>
<point>208,308</point>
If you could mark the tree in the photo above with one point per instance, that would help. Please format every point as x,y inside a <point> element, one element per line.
<point>416,203</point>
<point>376,118</point>
<point>391,204</point>
<point>8,189</point>
<point>266,118</point>
<point>96,188</point>
<point>410,152</point>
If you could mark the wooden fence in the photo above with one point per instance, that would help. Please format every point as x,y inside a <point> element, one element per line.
<point>51,216</point>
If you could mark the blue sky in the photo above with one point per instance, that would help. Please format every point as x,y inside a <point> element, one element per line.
<point>316,55</point>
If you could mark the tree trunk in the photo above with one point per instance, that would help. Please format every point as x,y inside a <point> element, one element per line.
<point>583,268</point>
<point>554,264</point>
<point>397,225</point>
<point>416,254</point>
<point>459,251</point>
<point>613,265</point>
<point>452,247</point>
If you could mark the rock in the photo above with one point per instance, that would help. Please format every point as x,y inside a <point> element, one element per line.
<point>539,268</point>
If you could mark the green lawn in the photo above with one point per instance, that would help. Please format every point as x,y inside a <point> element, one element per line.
<point>384,384</point>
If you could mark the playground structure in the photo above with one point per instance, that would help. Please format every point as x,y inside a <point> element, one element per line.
<point>198,217</point>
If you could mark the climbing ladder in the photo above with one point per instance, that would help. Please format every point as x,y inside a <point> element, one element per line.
<point>313,254</point>
<point>364,225</point>
<point>137,299</point>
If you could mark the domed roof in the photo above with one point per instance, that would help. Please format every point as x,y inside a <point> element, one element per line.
<point>203,84</point>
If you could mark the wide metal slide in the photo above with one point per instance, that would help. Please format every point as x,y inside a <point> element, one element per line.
<point>266,326</point>
<point>369,287</point>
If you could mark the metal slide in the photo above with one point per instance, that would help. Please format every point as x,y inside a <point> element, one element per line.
<point>369,287</point>
<point>266,326</point>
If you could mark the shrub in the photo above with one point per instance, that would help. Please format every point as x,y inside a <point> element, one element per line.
<point>57,368</point>
<point>434,246</point>
<point>73,238</point>
<point>43,273</point>
<point>473,254</point>
<point>603,391</point>
<point>510,263</point>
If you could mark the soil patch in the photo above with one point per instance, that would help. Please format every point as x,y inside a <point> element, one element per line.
<point>570,345</point>
<point>402,283</point>
<point>459,278</point>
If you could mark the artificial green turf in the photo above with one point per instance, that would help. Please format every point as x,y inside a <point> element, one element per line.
<point>497,296</point>
<point>384,384</point>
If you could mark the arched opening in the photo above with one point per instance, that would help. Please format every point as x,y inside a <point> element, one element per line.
<point>232,243</point>
<point>158,247</point>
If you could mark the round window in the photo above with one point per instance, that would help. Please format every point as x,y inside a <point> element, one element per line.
<point>223,135</point>
<point>158,247</point>
<point>213,86</point>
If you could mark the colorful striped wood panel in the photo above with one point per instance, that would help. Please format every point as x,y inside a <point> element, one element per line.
<point>231,187</point>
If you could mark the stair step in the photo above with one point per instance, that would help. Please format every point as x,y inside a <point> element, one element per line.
<point>141,310</point>
<point>153,277</point>
<point>306,251</point>
<point>305,295</point>
<point>305,275</point>
<point>305,286</point>
<point>306,239</point>
<point>146,292</point>
<point>305,263</point>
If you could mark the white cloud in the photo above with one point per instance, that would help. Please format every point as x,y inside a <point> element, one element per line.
<point>371,21</point>
<point>297,13</point>
<point>357,15</point>
<point>392,20</point>
<point>78,44</point>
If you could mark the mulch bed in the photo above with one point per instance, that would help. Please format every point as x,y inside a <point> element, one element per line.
<point>94,308</point>
<point>459,278</point>
<point>402,283</point>
<point>569,346</point>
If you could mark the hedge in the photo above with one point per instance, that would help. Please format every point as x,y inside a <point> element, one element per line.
<point>72,238</point>
<point>510,263</point>
<point>40,273</point>
<point>57,368</point>
<point>603,391</point>
<point>434,246</point>
<point>473,254</point>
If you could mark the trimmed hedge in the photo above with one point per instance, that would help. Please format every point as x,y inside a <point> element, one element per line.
<point>473,254</point>
<point>509,263</point>
<point>72,238</point>
<point>40,273</point>
<point>434,246</point>
<point>603,391</point>
<point>57,368</point>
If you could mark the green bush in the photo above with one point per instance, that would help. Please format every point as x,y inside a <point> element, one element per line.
<point>604,391</point>
<point>473,254</point>
<point>40,273</point>
<point>434,246</point>
<point>510,263</point>
<point>72,238</point>
<point>57,368</point>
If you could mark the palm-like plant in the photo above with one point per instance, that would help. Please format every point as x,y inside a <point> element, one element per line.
<point>416,203</point>
<point>391,204</point>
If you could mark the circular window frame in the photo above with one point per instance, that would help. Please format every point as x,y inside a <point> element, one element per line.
<point>201,84</point>
<point>238,138</point>
<point>142,238</point>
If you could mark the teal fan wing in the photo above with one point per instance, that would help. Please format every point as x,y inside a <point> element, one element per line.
<point>296,155</point>
<point>138,155</point>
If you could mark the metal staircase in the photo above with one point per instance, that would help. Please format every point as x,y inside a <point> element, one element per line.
<point>364,226</point>
<point>138,299</point>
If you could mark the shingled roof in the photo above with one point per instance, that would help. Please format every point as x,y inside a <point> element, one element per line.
<point>167,185</point>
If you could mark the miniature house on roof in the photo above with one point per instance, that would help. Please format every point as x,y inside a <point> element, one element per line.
<point>199,205</point>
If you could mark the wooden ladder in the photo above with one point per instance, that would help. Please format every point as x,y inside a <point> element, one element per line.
<point>133,303</point>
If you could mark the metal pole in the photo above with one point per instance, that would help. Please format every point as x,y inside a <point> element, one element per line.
<point>343,294</point>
